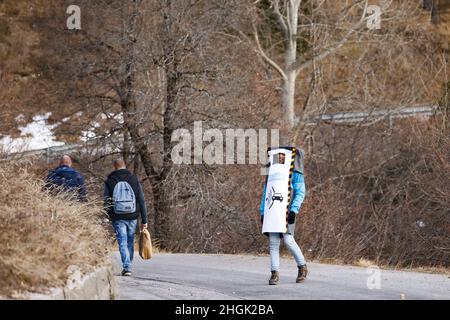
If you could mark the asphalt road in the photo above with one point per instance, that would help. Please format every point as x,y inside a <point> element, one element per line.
<point>229,277</point>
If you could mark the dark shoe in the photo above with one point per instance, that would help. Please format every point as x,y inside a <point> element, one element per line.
<point>126,273</point>
<point>274,279</point>
<point>302,273</point>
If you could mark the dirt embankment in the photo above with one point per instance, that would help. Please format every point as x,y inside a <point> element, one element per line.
<point>44,237</point>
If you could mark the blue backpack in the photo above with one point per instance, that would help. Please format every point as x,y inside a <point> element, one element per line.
<point>124,198</point>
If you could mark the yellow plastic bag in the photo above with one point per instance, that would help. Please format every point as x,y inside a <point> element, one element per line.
<point>145,245</point>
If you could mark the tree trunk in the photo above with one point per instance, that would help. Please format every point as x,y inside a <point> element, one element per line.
<point>131,115</point>
<point>289,99</point>
<point>290,58</point>
<point>160,189</point>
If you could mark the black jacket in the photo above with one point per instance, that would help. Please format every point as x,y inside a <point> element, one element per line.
<point>110,183</point>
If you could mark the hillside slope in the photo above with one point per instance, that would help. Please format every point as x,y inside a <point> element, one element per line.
<point>25,93</point>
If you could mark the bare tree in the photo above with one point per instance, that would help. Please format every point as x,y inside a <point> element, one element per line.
<point>301,22</point>
<point>148,68</point>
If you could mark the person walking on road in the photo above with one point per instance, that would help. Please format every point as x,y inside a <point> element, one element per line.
<point>124,202</point>
<point>284,182</point>
<point>67,179</point>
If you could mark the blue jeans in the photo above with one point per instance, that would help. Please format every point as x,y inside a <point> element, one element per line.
<point>274,247</point>
<point>125,230</point>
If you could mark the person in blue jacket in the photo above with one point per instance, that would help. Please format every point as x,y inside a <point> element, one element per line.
<point>66,178</point>
<point>298,195</point>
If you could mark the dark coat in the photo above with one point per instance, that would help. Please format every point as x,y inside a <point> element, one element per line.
<point>110,183</point>
<point>67,179</point>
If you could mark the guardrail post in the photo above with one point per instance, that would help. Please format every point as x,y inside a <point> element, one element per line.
<point>47,155</point>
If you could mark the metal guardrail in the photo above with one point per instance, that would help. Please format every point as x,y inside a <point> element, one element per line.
<point>58,150</point>
<point>342,117</point>
<point>352,117</point>
<point>92,146</point>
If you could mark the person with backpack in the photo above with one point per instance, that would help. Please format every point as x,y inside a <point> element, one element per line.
<point>67,179</point>
<point>124,202</point>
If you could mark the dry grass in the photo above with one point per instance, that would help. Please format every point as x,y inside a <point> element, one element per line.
<point>365,263</point>
<point>395,213</point>
<point>42,235</point>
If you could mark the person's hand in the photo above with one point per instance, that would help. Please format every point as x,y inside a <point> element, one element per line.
<point>291,217</point>
<point>143,226</point>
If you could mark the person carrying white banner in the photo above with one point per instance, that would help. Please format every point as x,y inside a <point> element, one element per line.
<point>283,196</point>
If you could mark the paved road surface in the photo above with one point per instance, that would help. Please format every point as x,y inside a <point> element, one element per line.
<point>190,277</point>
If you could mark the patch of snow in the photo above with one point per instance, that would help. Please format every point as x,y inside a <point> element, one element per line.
<point>42,117</point>
<point>119,118</point>
<point>87,135</point>
<point>114,116</point>
<point>420,223</point>
<point>90,134</point>
<point>33,136</point>
<point>20,118</point>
